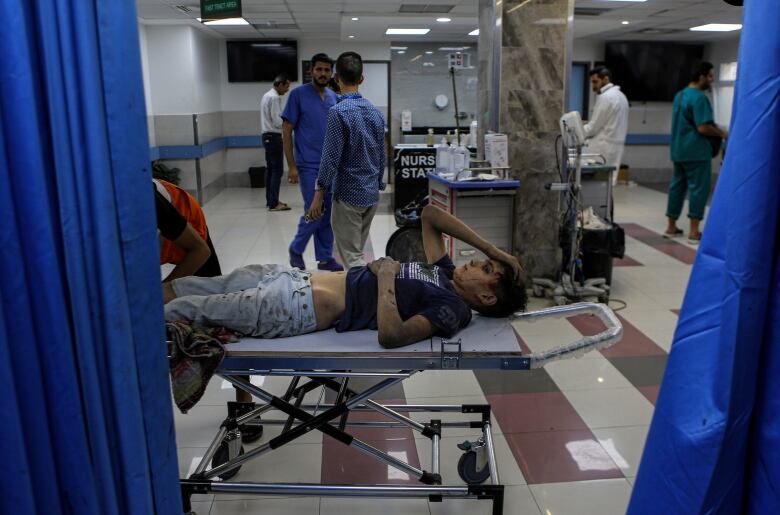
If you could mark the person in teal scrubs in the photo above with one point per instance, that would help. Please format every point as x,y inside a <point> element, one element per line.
<point>692,125</point>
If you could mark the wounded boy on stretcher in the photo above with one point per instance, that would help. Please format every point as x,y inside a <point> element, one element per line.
<point>406,302</point>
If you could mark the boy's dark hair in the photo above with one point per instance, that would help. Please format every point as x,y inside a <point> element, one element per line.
<point>601,71</point>
<point>349,67</point>
<point>281,79</point>
<point>321,58</point>
<point>511,296</point>
<point>699,69</point>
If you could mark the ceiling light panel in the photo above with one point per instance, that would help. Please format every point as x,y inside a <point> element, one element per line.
<point>406,32</point>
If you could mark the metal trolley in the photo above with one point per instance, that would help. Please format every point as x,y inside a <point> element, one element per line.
<point>485,344</point>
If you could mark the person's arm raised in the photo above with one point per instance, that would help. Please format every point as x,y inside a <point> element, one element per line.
<point>437,222</point>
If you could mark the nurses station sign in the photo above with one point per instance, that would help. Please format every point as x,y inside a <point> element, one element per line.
<point>412,166</point>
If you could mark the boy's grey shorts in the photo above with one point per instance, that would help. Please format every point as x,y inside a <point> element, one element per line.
<point>264,301</point>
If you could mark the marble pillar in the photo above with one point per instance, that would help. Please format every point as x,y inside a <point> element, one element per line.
<point>524,56</point>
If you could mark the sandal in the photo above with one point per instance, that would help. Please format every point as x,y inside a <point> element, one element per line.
<point>281,206</point>
<point>695,241</point>
<point>676,234</point>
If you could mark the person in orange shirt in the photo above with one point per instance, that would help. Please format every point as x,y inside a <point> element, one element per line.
<point>185,238</point>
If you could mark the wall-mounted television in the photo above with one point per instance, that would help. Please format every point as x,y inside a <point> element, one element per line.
<point>649,71</point>
<point>261,60</point>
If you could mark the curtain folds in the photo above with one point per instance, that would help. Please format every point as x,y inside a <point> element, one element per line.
<point>85,412</point>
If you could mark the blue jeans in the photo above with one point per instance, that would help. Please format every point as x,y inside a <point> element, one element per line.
<point>320,229</point>
<point>265,301</point>
<point>272,143</point>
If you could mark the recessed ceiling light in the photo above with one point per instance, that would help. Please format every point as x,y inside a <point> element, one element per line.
<point>444,20</point>
<point>429,52</point>
<point>717,27</point>
<point>350,37</point>
<point>624,22</point>
<point>226,21</point>
<point>402,51</point>
<point>474,32</point>
<point>355,18</point>
<point>407,32</point>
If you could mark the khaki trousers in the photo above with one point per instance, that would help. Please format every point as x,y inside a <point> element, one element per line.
<point>351,225</point>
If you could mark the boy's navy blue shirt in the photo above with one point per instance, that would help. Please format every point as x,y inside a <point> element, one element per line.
<point>420,289</point>
<point>353,155</point>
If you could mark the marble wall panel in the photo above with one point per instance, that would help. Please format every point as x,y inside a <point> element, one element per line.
<point>534,45</point>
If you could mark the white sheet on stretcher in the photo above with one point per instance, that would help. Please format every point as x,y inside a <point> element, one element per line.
<point>482,335</point>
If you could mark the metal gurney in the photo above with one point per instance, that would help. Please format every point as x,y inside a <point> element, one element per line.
<point>330,361</point>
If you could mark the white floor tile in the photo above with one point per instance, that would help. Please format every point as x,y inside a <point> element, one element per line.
<point>601,497</point>
<point>618,407</point>
<point>340,506</point>
<point>624,445</point>
<point>589,374</point>
<point>266,506</point>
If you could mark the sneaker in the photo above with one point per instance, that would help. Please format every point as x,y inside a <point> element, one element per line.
<point>296,261</point>
<point>676,234</point>
<point>330,265</point>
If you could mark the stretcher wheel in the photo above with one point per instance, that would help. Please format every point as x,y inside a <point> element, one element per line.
<point>221,456</point>
<point>250,434</point>
<point>406,245</point>
<point>467,469</point>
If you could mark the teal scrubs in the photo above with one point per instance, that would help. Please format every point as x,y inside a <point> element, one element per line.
<point>691,153</point>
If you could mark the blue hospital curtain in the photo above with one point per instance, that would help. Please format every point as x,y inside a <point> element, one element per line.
<point>86,425</point>
<point>714,442</point>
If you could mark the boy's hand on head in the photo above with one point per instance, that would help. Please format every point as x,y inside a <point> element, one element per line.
<point>508,260</point>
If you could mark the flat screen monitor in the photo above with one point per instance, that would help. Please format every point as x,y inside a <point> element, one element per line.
<point>261,60</point>
<point>651,71</point>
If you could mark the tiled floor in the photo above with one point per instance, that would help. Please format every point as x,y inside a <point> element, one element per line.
<point>568,437</point>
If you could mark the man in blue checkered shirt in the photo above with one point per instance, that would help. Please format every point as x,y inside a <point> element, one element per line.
<point>353,162</point>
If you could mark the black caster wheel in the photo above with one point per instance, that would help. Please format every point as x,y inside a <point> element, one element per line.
<point>221,456</point>
<point>467,469</point>
<point>251,434</point>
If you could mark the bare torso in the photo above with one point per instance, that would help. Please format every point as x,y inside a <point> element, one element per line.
<point>329,290</point>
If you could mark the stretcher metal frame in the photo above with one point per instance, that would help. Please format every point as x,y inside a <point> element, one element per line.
<point>332,420</point>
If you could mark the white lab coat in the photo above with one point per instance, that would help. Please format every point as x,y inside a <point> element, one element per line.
<point>606,130</point>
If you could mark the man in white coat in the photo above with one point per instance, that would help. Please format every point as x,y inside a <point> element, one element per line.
<point>606,130</point>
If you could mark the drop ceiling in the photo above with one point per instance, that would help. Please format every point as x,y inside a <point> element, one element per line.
<point>332,19</point>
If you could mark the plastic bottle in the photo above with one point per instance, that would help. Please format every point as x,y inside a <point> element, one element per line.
<point>429,138</point>
<point>473,134</point>
<point>458,158</point>
<point>443,158</point>
<point>449,137</point>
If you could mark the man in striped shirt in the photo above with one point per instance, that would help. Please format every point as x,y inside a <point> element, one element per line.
<point>353,162</point>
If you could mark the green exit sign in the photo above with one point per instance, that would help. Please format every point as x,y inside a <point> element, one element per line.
<point>219,9</point>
